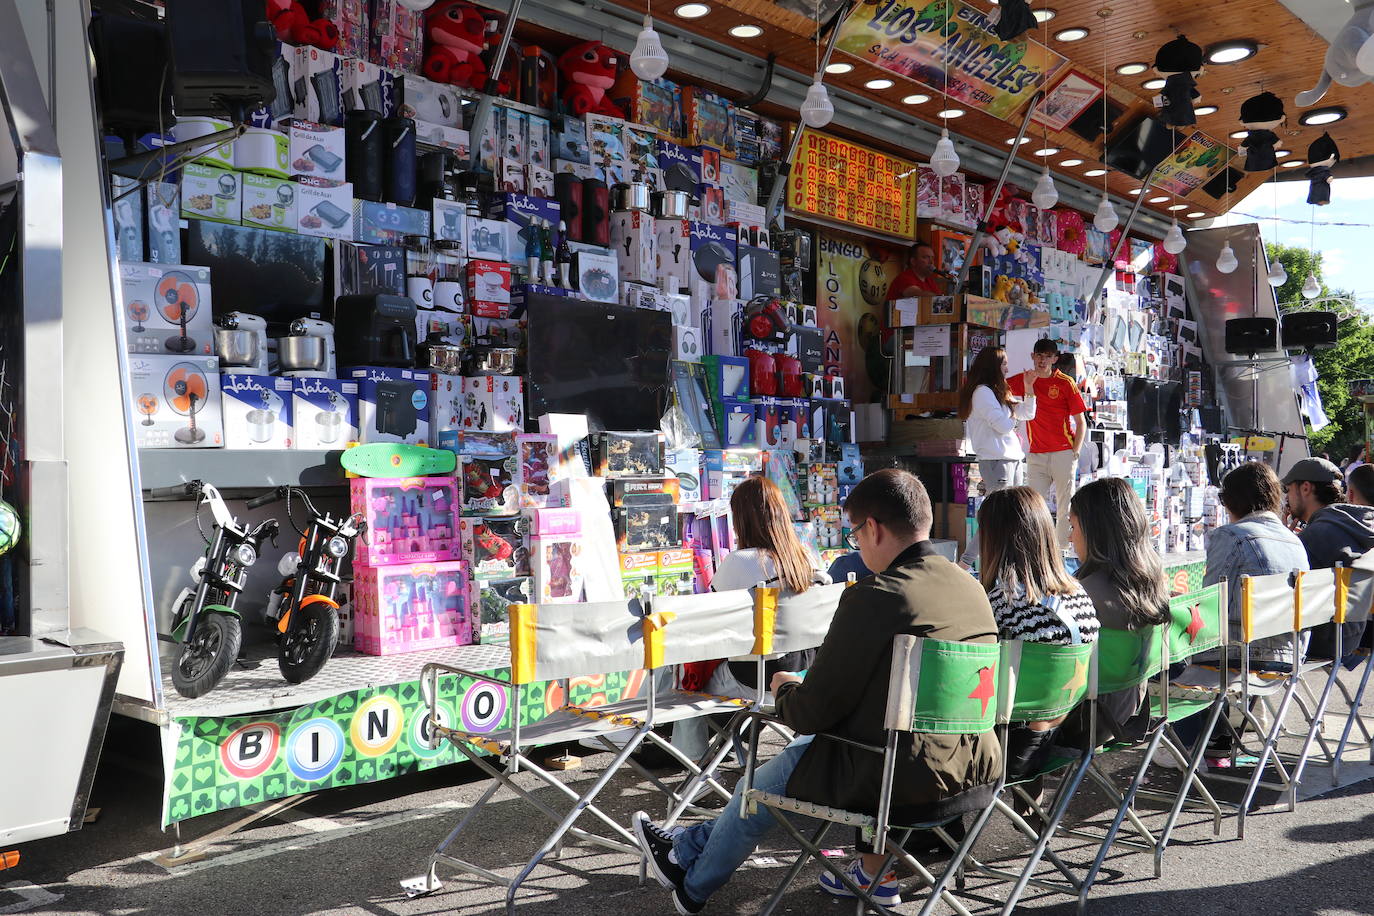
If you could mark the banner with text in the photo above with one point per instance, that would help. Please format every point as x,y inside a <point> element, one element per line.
<point>852,280</point>
<point>1191,166</point>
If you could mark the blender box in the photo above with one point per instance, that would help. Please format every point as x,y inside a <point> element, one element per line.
<point>324,413</point>
<point>495,403</point>
<point>496,547</point>
<point>315,149</point>
<point>384,223</point>
<point>556,562</point>
<point>269,203</point>
<point>317,77</point>
<point>445,409</point>
<point>128,218</point>
<point>634,239</point>
<point>178,398</point>
<point>447,218</point>
<point>210,154</point>
<point>368,86</point>
<point>264,151</point>
<point>211,193</point>
<point>491,600</point>
<point>409,520</point>
<point>257,411</point>
<point>167,308</point>
<point>324,208</point>
<point>393,404</point>
<point>164,222</point>
<point>410,607</point>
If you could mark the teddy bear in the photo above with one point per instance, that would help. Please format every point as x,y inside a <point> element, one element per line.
<point>456,36</point>
<point>294,25</point>
<point>589,69</point>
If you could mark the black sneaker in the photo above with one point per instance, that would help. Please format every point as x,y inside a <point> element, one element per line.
<point>657,845</point>
<point>684,904</point>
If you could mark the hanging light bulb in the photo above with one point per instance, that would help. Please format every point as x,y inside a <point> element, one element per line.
<point>1106,219</point>
<point>1174,242</point>
<point>944,161</point>
<point>1277,275</point>
<point>416,6</point>
<point>1311,289</point>
<point>648,60</point>
<point>1045,195</point>
<point>1227,261</point>
<point>816,109</point>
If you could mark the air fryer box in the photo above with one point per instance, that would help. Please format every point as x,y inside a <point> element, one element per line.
<point>165,391</point>
<point>315,149</point>
<point>269,203</point>
<point>155,296</point>
<point>324,413</point>
<point>317,78</point>
<point>324,208</point>
<point>211,193</point>
<point>393,404</point>
<point>257,411</point>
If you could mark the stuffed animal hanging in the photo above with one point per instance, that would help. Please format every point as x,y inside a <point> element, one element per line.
<point>1261,114</point>
<point>456,36</point>
<point>1011,19</point>
<point>588,70</point>
<point>1179,62</point>
<point>1321,156</point>
<point>293,25</point>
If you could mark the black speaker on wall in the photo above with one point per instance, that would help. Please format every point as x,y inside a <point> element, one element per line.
<point>221,53</point>
<point>1309,330</point>
<point>363,145</point>
<point>398,158</point>
<point>131,77</point>
<point>1247,336</point>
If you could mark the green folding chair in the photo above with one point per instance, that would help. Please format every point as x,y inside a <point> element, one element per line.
<point>945,688</point>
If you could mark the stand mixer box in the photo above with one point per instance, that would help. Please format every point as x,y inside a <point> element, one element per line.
<point>269,203</point>
<point>324,413</point>
<point>257,411</point>
<point>446,409</point>
<point>393,404</point>
<point>164,389</point>
<point>155,296</point>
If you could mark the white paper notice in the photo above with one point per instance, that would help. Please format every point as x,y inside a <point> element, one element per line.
<point>930,341</point>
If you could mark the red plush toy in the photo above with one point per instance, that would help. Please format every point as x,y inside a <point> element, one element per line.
<point>588,70</point>
<point>294,25</point>
<point>456,37</point>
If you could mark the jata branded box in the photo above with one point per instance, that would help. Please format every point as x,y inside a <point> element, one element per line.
<point>517,211</point>
<point>178,398</point>
<point>713,247</point>
<point>488,288</point>
<point>318,78</point>
<point>393,404</point>
<point>368,86</point>
<point>257,411</point>
<point>324,413</point>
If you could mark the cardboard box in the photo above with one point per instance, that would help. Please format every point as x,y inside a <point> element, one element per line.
<point>598,276</point>
<point>539,142</point>
<point>511,177</point>
<point>220,155</point>
<point>430,102</point>
<point>676,573</point>
<point>447,218</point>
<point>384,223</point>
<point>324,208</point>
<point>495,403</point>
<point>410,608</point>
<point>128,218</point>
<point>446,410</point>
<point>318,77</point>
<point>269,203</point>
<point>557,568</point>
<point>409,520</point>
<point>735,423</point>
<point>490,470</point>
<point>713,247</point>
<point>645,527</point>
<point>627,454</point>
<point>759,272</point>
<point>688,344</point>
<point>211,193</point>
<point>685,464</point>
<point>163,222</point>
<point>351,19</point>
<point>262,151</point>
<point>364,269</point>
<point>393,404</point>
<point>718,326</point>
<point>487,239</point>
<point>257,411</point>
<point>315,149</point>
<point>635,241</point>
<point>166,393</point>
<point>674,254</point>
<point>488,288</point>
<point>324,413</point>
<point>367,86</point>
<point>639,571</point>
<point>496,547</point>
<point>451,138</point>
<point>727,377</point>
<point>156,298</point>
<point>541,472</point>
<point>570,140</point>
<point>515,213</point>
<point>493,598</point>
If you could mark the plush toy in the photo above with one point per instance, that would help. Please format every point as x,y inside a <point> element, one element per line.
<point>1350,58</point>
<point>1179,62</point>
<point>1011,19</point>
<point>456,36</point>
<point>588,70</point>
<point>1321,156</point>
<point>1001,290</point>
<point>1261,114</point>
<point>294,25</point>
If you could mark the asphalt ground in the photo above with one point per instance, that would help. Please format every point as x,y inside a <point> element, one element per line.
<point>346,850</point>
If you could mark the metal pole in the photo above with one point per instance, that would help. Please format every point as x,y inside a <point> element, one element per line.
<point>485,101</point>
<point>1121,240</point>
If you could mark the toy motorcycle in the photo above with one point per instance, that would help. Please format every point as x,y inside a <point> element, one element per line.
<point>303,611</point>
<point>205,622</point>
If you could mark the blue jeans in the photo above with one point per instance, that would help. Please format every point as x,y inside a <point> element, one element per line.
<point>712,851</point>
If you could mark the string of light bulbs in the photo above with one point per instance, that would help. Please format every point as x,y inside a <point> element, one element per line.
<point>1045,195</point>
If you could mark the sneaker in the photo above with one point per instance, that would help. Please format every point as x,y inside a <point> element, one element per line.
<point>684,904</point>
<point>886,893</point>
<point>657,845</point>
<point>1165,758</point>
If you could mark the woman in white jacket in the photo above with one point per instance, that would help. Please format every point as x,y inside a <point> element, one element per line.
<point>990,413</point>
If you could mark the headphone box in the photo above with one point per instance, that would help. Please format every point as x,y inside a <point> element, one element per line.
<point>687,344</point>
<point>160,387</point>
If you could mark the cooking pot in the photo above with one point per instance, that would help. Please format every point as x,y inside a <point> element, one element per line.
<point>301,354</point>
<point>633,195</point>
<point>493,361</point>
<point>236,348</point>
<point>670,204</point>
<point>444,359</point>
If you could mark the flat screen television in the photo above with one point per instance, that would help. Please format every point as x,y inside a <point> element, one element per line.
<point>607,362</point>
<point>1138,149</point>
<point>275,275</point>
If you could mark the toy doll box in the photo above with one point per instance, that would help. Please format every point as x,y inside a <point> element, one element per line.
<point>411,608</point>
<point>491,600</point>
<point>496,547</point>
<point>557,567</point>
<point>409,520</point>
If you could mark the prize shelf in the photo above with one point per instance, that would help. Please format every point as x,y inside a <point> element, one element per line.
<point>240,469</point>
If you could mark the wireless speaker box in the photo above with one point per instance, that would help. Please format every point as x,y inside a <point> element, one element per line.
<point>363,145</point>
<point>398,157</point>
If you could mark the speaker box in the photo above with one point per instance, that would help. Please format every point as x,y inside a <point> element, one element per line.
<point>1309,330</point>
<point>130,63</point>
<point>567,189</point>
<point>221,53</point>
<point>596,212</point>
<point>363,145</point>
<point>398,157</point>
<point>1251,335</point>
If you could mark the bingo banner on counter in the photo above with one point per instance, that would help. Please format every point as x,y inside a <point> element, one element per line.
<point>851,184</point>
<point>362,736</point>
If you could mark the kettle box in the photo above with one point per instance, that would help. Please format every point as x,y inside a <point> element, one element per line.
<point>177,396</point>
<point>324,413</point>
<point>393,404</point>
<point>257,411</point>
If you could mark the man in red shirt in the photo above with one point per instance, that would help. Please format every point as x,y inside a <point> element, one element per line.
<point>1056,433</point>
<point>919,278</point>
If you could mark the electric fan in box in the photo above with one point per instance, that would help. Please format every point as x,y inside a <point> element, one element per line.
<point>166,308</point>
<point>179,400</point>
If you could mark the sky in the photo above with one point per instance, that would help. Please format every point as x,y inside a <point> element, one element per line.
<point>1345,249</point>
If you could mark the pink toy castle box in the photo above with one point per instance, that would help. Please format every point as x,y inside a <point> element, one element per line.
<point>409,608</point>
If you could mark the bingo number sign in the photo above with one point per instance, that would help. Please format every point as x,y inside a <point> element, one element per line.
<point>846,183</point>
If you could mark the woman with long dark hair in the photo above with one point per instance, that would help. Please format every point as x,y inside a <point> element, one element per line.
<point>990,413</point>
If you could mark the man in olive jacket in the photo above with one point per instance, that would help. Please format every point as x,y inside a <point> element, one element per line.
<point>915,591</point>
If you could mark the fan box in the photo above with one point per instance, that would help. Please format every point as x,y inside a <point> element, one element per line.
<point>269,203</point>
<point>257,411</point>
<point>161,389</point>
<point>155,296</point>
<point>324,413</point>
<point>315,149</point>
<point>211,193</point>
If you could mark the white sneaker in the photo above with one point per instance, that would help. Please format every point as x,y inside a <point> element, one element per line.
<point>1165,758</point>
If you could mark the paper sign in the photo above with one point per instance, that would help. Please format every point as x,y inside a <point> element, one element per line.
<point>930,341</point>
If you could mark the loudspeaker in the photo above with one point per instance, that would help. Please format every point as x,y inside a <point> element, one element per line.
<point>363,145</point>
<point>1309,330</point>
<point>130,63</point>
<point>221,53</point>
<point>398,156</point>
<point>437,178</point>
<point>1227,180</point>
<point>1245,336</point>
<point>567,189</point>
<point>596,212</point>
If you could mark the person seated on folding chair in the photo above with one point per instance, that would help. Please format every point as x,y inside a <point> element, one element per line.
<point>917,592</point>
<point>1335,532</point>
<point>1033,598</point>
<point>1256,543</point>
<point>770,552</point>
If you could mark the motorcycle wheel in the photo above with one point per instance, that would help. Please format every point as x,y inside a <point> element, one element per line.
<point>205,658</point>
<point>309,642</point>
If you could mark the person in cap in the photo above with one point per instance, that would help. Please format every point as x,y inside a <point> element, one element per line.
<point>1056,432</point>
<point>1336,532</point>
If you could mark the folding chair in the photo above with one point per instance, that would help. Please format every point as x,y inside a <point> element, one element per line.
<point>557,641</point>
<point>946,688</point>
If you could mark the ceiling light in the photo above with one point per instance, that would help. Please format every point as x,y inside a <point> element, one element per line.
<point>648,60</point>
<point>1157,200</point>
<point>1074,34</point>
<point>692,10</point>
<point>1021,142</point>
<point>950,113</point>
<point>1227,261</point>
<point>1296,163</point>
<point>1174,242</point>
<point>1205,110</point>
<point>1177,207</point>
<point>1045,195</point>
<point>1093,173</point>
<point>1070,163</point>
<point>838,68</point>
<point>1047,151</point>
<point>1105,219</point>
<point>746,31</point>
<point>917,99</point>
<point>1132,69</point>
<point>878,84</point>
<point>944,161</point>
<point>1045,15</point>
<point>1238,134</point>
<point>816,109</point>
<point>1196,214</point>
<point>1311,289</point>
<point>1152,84</point>
<point>1231,52</point>
<point>1280,153</point>
<point>1136,192</point>
<point>1329,115</point>
<point>1277,274</point>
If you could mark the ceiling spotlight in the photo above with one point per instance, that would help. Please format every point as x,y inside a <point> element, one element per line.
<point>692,10</point>
<point>1177,207</point>
<point>1024,140</point>
<point>1070,163</point>
<point>838,68</point>
<point>1047,151</point>
<point>878,84</point>
<point>950,113</point>
<point>917,99</point>
<point>1093,173</point>
<point>1238,134</point>
<point>1328,115</point>
<point>1231,52</point>
<point>1074,34</point>
<point>1205,110</point>
<point>1132,69</point>
<point>1157,200</point>
<point>1280,153</point>
<point>1152,84</point>
<point>1045,15</point>
<point>1196,214</point>
<point>1136,192</point>
<point>1295,164</point>
<point>746,31</point>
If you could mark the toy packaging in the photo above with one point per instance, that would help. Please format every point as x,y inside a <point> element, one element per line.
<point>393,404</point>
<point>646,527</point>
<point>489,473</point>
<point>324,413</point>
<point>409,520</point>
<point>627,454</point>
<point>638,571</point>
<point>496,547</point>
<point>645,491</point>
<point>177,396</point>
<point>555,549</point>
<point>409,608</point>
<point>676,573</point>
<point>541,477</point>
<point>167,309</point>
<point>492,599</point>
<point>257,411</point>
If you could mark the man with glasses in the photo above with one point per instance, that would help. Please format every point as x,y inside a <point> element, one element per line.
<point>1056,433</point>
<point>913,590</point>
